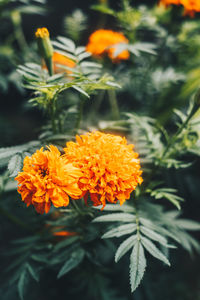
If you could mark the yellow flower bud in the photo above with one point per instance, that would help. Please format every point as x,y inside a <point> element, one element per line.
<point>45,47</point>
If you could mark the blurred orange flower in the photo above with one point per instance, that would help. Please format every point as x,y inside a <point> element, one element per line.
<point>190,6</point>
<point>59,59</point>
<point>104,41</point>
<point>110,167</point>
<point>169,2</point>
<point>64,233</point>
<point>48,179</point>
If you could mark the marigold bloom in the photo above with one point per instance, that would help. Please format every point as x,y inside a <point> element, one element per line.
<point>190,6</point>
<point>59,59</point>
<point>64,233</point>
<point>47,179</point>
<point>169,2</point>
<point>104,41</point>
<point>110,167</point>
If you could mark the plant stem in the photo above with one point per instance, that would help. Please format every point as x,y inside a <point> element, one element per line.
<point>175,136</point>
<point>80,115</point>
<point>19,35</point>
<point>13,219</point>
<point>114,105</point>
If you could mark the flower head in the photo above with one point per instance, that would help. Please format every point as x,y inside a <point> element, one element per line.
<point>190,6</point>
<point>48,179</point>
<point>59,59</point>
<point>169,2</point>
<point>110,167</point>
<point>104,41</point>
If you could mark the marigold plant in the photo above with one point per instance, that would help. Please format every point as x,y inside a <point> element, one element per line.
<point>111,169</point>
<point>104,41</point>
<point>47,180</point>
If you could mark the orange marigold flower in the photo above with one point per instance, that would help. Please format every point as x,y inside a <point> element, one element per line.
<point>59,59</point>
<point>48,179</point>
<point>169,2</point>
<point>65,233</point>
<point>104,41</point>
<point>191,6</point>
<point>110,167</point>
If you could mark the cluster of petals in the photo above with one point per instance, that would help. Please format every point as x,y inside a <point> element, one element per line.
<point>190,6</point>
<point>104,41</point>
<point>48,179</point>
<point>110,167</point>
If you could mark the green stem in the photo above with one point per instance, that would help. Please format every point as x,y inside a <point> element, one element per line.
<point>52,110</point>
<point>114,105</point>
<point>97,103</point>
<point>19,35</point>
<point>13,219</point>
<point>174,137</point>
<point>137,222</point>
<point>80,115</point>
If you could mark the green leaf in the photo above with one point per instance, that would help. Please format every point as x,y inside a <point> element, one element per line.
<point>103,9</point>
<point>15,165</point>
<point>119,231</point>
<point>21,284</point>
<point>125,247</point>
<point>74,260</point>
<point>118,217</point>
<point>65,243</point>
<point>188,224</point>
<point>116,207</point>
<point>167,193</point>
<point>153,235</point>
<point>154,251</point>
<point>137,265</point>
<point>32,272</point>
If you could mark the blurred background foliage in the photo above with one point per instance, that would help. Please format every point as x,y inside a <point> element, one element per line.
<point>151,84</point>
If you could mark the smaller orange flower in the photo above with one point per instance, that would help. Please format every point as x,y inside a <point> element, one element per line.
<point>64,233</point>
<point>59,59</point>
<point>105,41</point>
<point>191,7</point>
<point>169,2</point>
<point>48,179</point>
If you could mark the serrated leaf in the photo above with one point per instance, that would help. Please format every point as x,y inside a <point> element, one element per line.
<point>116,217</point>
<point>80,90</point>
<point>32,272</point>
<point>188,224</point>
<point>14,165</point>
<point>116,207</point>
<point>65,243</point>
<point>21,284</point>
<point>137,266</point>
<point>120,231</point>
<point>125,247</point>
<point>154,251</point>
<point>73,261</point>
<point>153,235</point>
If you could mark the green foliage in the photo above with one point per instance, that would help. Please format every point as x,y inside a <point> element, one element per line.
<point>149,223</point>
